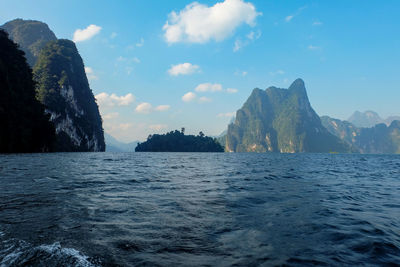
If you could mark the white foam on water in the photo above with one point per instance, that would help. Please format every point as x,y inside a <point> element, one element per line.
<point>17,251</point>
<point>55,249</point>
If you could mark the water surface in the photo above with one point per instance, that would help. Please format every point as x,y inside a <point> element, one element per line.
<point>191,209</point>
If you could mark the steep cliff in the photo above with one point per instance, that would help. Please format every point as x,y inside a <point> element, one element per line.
<point>280,120</point>
<point>64,89</point>
<point>30,35</point>
<point>62,85</point>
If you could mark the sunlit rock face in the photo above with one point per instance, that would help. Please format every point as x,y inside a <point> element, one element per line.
<point>64,89</point>
<point>280,120</point>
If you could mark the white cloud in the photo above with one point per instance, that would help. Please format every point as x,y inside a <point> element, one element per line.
<point>81,35</point>
<point>198,23</point>
<point>106,100</point>
<point>312,47</point>
<point>188,97</point>
<point>110,116</point>
<point>158,127</point>
<point>183,69</point>
<point>232,90</point>
<point>90,74</point>
<point>208,87</point>
<point>289,18</point>
<point>250,37</point>
<point>144,108</point>
<point>317,23</point>
<point>226,115</point>
<point>253,35</point>
<point>138,44</point>
<point>147,108</point>
<point>204,99</point>
<point>162,108</point>
<point>113,35</point>
<point>238,45</point>
<point>278,72</point>
<point>128,60</point>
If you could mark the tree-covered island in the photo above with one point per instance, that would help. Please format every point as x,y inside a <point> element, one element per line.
<point>177,141</point>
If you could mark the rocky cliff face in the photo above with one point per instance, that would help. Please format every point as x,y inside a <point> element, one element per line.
<point>64,89</point>
<point>30,35</point>
<point>380,139</point>
<point>62,85</point>
<point>280,120</point>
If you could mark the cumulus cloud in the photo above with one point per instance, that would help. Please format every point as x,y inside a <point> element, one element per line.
<point>158,127</point>
<point>162,108</point>
<point>226,115</point>
<point>90,74</point>
<point>232,90</point>
<point>183,69</point>
<point>81,35</point>
<point>208,87</point>
<point>144,108</point>
<point>110,116</point>
<point>188,97</point>
<point>198,23</point>
<point>106,100</point>
<point>317,23</point>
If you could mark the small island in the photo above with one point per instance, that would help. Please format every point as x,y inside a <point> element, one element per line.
<point>177,141</point>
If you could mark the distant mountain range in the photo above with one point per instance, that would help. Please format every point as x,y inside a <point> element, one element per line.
<point>369,119</point>
<point>282,120</point>
<point>379,139</point>
<point>113,145</point>
<point>62,86</point>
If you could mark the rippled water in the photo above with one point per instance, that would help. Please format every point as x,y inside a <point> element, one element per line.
<point>88,209</point>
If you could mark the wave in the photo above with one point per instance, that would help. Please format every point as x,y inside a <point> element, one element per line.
<point>14,252</point>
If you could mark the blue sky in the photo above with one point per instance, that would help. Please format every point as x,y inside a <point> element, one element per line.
<point>142,59</point>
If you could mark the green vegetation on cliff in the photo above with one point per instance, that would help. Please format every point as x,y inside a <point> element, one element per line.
<point>23,125</point>
<point>64,89</point>
<point>176,141</point>
<point>280,120</point>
